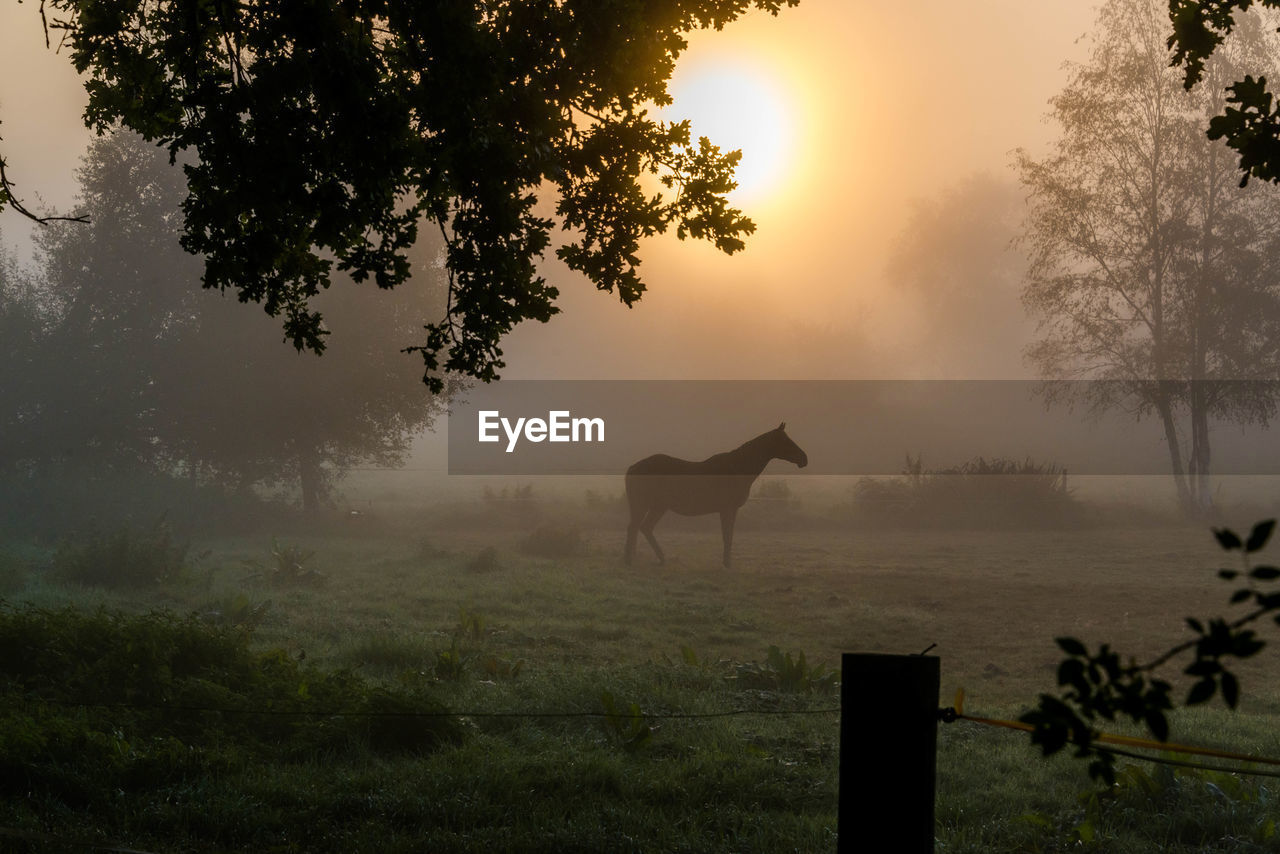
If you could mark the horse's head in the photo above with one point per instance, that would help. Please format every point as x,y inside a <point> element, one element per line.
<point>785,449</point>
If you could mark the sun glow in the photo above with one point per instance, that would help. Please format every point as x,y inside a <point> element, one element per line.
<point>739,107</point>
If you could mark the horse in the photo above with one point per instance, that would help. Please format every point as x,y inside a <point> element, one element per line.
<point>718,484</point>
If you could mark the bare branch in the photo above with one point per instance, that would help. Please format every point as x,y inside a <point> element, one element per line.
<point>7,195</point>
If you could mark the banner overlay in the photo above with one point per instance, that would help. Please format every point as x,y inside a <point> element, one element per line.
<point>853,427</point>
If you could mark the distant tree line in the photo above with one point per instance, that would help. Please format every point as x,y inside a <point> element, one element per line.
<point>115,363</point>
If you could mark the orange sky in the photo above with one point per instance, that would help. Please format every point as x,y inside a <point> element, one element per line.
<point>895,104</point>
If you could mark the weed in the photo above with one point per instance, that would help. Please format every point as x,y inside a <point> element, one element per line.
<point>470,624</point>
<point>286,566</point>
<point>627,728</point>
<point>780,672</point>
<point>126,557</point>
<point>451,665</point>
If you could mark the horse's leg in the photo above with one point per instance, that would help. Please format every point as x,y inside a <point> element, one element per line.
<point>727,518</point>
<point>646,527</point>
<point>633,528</point>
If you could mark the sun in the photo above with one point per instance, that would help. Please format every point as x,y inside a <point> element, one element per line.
<point>738,106</point>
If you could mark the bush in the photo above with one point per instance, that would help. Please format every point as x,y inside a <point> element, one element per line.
<point>94,703</point>
<point>981,493</point>
<point>125,557</point>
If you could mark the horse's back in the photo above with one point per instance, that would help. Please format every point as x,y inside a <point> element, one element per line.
<point>646,484</point>
<point>689,488</point>
<point>662,464</point>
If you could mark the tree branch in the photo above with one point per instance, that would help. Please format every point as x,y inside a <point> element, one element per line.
<point>7,195</point>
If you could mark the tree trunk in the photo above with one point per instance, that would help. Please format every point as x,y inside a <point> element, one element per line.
<point>1201,331</point>
<point>310,479</point>
<point>1202,494</point>
<point>1164,405</point>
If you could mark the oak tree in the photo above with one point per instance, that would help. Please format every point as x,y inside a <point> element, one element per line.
<point>317,136</point>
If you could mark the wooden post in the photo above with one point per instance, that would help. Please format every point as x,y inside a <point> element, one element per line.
<point>888,753</point>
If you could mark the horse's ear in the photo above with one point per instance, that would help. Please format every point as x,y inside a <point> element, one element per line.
<point>782,426</point>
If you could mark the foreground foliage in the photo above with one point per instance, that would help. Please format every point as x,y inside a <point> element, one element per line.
<point>1099,686</point>
<point>94,706</point>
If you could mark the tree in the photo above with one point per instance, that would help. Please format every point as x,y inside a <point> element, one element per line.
<point>144,370</point>
<point>954,261</point>
<point>22,321</point>
<point>1151,270</point>
<point>320,135</point>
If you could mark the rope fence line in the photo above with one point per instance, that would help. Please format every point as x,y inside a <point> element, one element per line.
<point>947,715</point>
<point>956,713</point>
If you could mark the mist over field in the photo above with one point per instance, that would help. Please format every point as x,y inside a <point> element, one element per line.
<point>994,366</point>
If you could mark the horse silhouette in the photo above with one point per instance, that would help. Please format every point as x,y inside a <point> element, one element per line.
<point>718,484</point>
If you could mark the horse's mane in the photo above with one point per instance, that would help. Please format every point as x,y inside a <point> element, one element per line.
<point>751,443</point>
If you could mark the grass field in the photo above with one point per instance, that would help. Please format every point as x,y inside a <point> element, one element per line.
<point>467,601</point>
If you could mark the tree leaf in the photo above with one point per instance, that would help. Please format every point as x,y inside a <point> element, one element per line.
<point>1230,689</point>
<point>1158,724</point>
<point>1259,535</point>
<point>1265,573</point>
<point>1201,692</point>
<point>1071,646</point>
<point>1227,538</point>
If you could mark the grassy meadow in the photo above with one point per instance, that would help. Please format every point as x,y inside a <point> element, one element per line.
<point>488,606</point>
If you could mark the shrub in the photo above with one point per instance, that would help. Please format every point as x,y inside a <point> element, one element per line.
<point>982,493</point>
<point>98,702</point>
<point>125,557</point>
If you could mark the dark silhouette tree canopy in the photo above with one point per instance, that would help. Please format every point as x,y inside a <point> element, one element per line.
<point>1250,120</point>
<point>318,135</point>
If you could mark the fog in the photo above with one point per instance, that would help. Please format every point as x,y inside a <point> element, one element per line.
<point>950,397</point>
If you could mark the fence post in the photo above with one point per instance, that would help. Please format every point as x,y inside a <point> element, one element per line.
<point>888,753</point>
